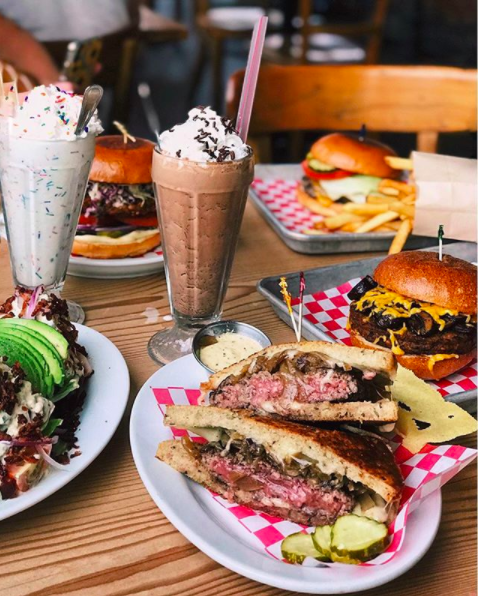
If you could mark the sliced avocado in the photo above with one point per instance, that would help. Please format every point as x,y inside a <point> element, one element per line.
<point>35,342</point>
<point>32,363</point>
<point>49,333</point>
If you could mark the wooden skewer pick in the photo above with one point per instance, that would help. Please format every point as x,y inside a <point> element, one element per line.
<point>301,302</point>
<point>440,242</point>
<point>124,132</point>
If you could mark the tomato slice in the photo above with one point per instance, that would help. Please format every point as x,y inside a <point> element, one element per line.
<point>150,221</point>
<point>86,220</point>
<point>334,175</point>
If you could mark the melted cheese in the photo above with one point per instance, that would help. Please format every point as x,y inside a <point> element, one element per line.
<point>437,357</point>
<point>396,349</point>
<point>386,302</point>
<point>136,236</point>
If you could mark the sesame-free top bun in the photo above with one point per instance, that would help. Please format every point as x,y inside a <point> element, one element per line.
<point>348,152</point>
<point>117,162</point>
<point>450,283</point>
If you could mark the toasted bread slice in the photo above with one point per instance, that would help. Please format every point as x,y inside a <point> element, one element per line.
<point>381,362</point>
<point>382,411</point>
<point>364,459</point>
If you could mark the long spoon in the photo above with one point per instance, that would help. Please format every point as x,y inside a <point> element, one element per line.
<point>91,98</point>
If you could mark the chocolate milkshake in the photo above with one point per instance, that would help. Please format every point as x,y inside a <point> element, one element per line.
<point>201,174</point>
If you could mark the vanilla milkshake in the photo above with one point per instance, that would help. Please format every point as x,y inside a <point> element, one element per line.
<point>44,170</point>
<point>201,174</point>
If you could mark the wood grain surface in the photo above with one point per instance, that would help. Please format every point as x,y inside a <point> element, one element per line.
<point>102,535</point>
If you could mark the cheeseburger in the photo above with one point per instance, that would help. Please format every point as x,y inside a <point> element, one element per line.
<point>420,308</point>
<point>345,166</point>
<point>118,217</point>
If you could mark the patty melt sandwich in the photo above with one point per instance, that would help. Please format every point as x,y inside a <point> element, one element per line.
<point>315,381</point>
<point>302,474</point>
<point>421,309</point>
<point>344,167</point>
<point>118,217</point>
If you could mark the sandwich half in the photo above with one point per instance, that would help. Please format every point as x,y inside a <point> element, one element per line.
<point>309,381</point>
<point>302,474</point>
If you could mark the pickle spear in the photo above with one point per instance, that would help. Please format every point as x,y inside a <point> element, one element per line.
<point>296,547</point>
<point>357,539</point>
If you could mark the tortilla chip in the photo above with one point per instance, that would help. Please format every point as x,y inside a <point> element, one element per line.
<point>424,416</point>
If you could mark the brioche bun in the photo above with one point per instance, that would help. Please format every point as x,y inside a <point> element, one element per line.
<point>116,250</point>
<point>450,283</point>
<point>349,152</point>
<point>419,363</point>
<point>117,162</point>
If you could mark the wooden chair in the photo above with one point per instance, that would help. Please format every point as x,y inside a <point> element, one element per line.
<point>426,100</point>
<point>119,53</point>
<point>214,31</point>
<point>370,30</point>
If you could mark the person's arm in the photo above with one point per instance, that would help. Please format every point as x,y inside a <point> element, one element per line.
<point>20,49</point>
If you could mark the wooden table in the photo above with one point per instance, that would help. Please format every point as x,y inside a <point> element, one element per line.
<point>102,535</point>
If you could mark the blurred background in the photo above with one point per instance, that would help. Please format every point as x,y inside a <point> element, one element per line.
<point>185,50</point>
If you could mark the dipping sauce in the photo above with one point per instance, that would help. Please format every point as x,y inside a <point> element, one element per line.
<point>228,349</point>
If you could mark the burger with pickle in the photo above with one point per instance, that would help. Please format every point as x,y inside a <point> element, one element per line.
<point>118,217</point>
<point>345,166</point>
<point>421,308</point>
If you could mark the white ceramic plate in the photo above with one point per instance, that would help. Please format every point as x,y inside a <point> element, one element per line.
<point>106,399</point>
<point>209,526</point>
<point>148,264</point>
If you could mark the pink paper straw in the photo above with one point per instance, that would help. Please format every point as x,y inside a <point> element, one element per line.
<point>250,79</point>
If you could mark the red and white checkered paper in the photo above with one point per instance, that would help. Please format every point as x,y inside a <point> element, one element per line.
<point>328,310</point>
<point>280,197</point>
<point>423,473</point>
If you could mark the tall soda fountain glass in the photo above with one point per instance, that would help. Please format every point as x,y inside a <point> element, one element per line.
<point>201,175</point>
<point>44,171</point>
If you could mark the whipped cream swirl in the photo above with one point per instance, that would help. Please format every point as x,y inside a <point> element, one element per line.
<point>47,113</point>
<point>205,136</point>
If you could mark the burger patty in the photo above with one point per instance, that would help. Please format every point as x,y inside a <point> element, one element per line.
<point>119,199</point>
<point>298,499</point>
<point>448,341</point>
<point>282,382</point>
<point>282,388</point>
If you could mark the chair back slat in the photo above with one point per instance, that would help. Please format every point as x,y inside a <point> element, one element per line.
<point>426,100</point>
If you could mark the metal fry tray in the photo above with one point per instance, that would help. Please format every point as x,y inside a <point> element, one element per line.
<point>335,242</point>
<point>325,278</point>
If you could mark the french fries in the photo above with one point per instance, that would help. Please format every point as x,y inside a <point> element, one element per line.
<point>377,221</point>
<point>315,206</point>
<point>336,222</point>
<point>399,163</point>
<point>401,236</point>
<point>389,209</point>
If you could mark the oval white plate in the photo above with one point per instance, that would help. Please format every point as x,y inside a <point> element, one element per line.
<point>106,400</point>
<point>208,526</point>
<point>151,262</point>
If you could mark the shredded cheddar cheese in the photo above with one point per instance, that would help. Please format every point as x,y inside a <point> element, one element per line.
<point>384,301</point>
<point>437,357</point>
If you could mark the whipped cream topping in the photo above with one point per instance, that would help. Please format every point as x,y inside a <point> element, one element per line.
<point>205,136</point>
<point>47,113</point>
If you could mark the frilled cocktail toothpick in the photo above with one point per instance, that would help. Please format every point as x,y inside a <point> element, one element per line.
<point>301,301</point>
<point>288,301</point>
<point>440,242</point>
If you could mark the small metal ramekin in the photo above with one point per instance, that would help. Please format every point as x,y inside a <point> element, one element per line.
<point>221,327</point>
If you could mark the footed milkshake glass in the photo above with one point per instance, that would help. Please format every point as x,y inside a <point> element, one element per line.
<point>200,207</point>
<point>43,183</point>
